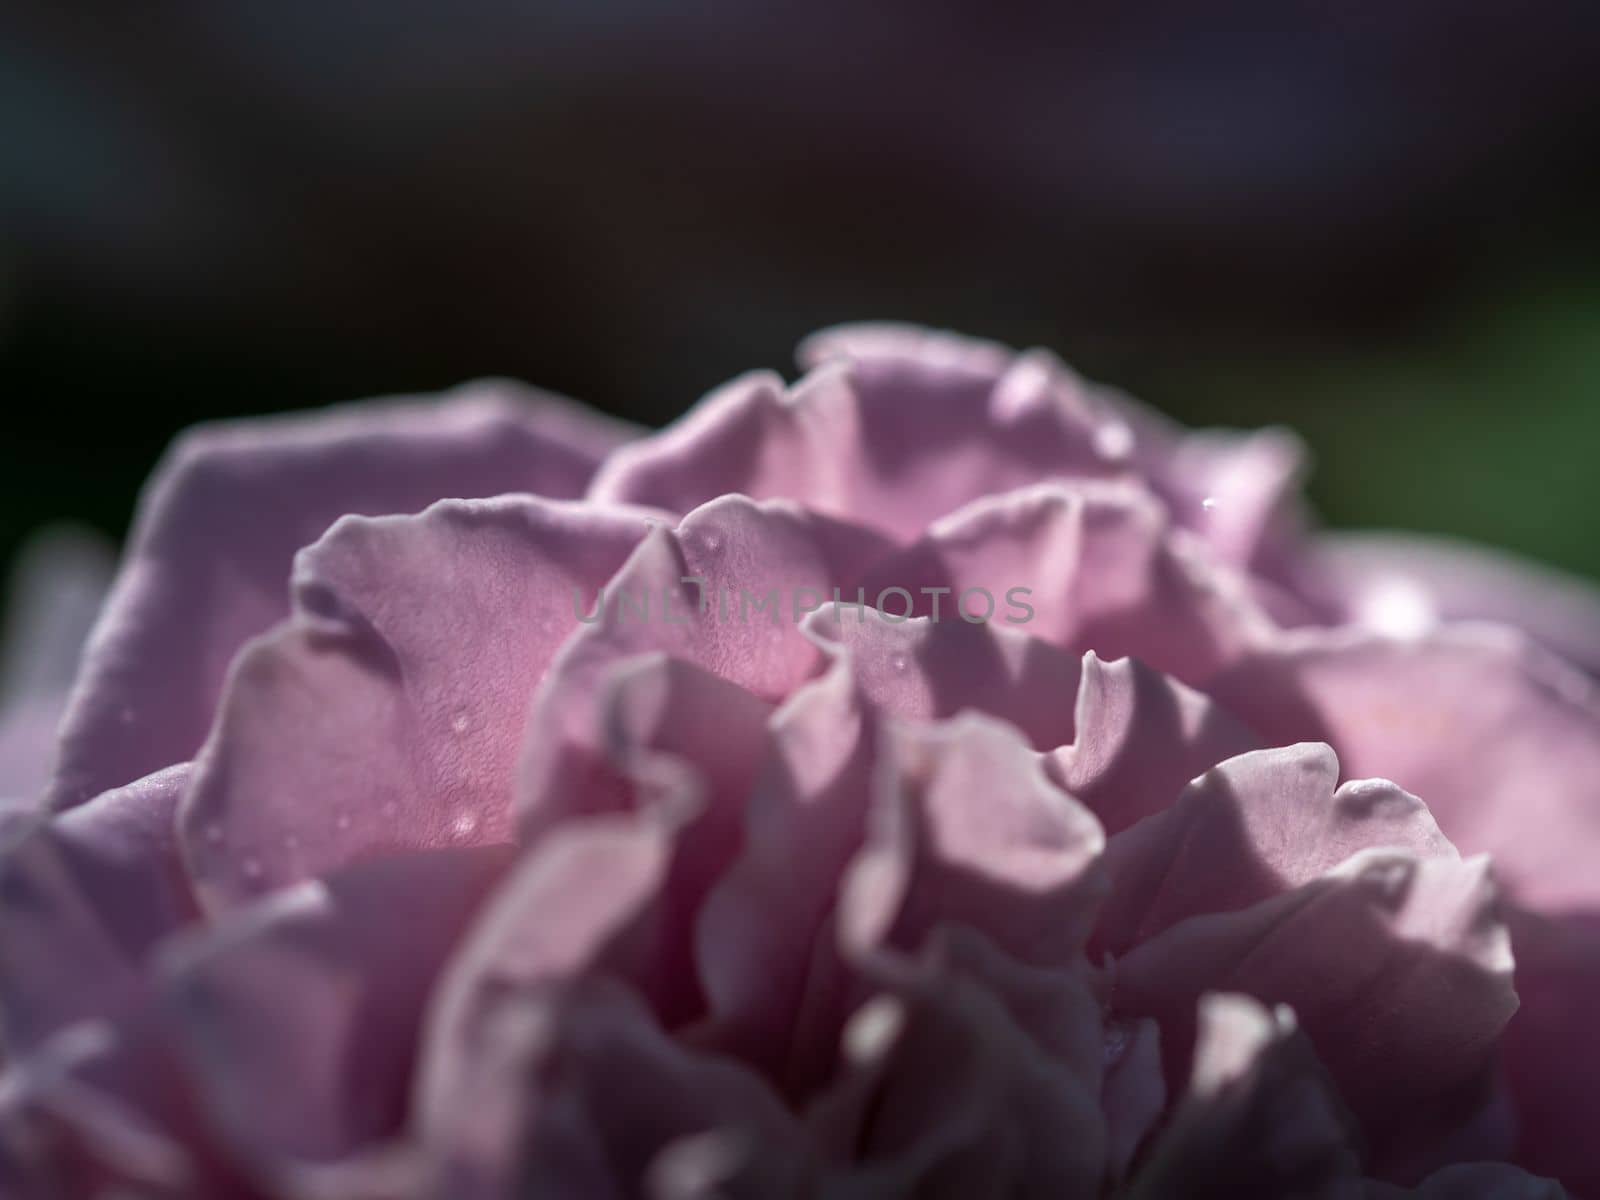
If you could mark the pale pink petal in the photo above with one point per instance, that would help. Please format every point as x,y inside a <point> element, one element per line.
<point>891,429</point>
<point>222,517</point>
<point>298,1016</point>
<point>387,713</point>
<point>757,567</point>
<point>1248,829</point>
<point>1402,584</point>
<point>967,828</point>
<point>764,945</point>
<point>1501,739</point>
<point>1089,567</point>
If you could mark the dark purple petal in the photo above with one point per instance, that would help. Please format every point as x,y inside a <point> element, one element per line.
<point>299,1016</point>
<point>83,899</point>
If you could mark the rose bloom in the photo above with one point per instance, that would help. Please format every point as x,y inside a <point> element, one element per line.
<point>388,854</point>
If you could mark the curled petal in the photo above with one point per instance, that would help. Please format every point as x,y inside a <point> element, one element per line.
<point>1139,737</point>
<point>724,592</point>
<point>1089,567</point>
<point>772,974</point>
<point>931,670</point>
<point>967,828</point>
<point>387,713</point>
<point>223,516</point>
<point>1398,968</point>
<point>892,428</point>
<point>1248,829</point>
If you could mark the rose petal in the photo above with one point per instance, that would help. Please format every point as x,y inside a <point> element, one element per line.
<point>1502,740</point>
<point>85,898</point>
<point>1133,1091</point>
<point>969,829</point>
<point>764,946</point>
<point>1140,737</point>
<point>387,713</point>
<point>1248,829</point>
<point>100,1109</point>
<point>1550,1052</point>
<point>1399,584</point>
<point>970,1075</point>
<point>1089,567</point>
<point>1398,968</point>
<point>932,670</point>
<point>891,431</point>
<point>577,1090</point>
<point>1260,1118</point>
<point>225,512</point>
<point>299,1015</point>
<point>741,553</point>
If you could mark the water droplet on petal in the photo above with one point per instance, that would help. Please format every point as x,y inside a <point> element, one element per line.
<point>1209,503</point>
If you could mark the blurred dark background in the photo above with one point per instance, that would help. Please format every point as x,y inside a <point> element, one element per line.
<point>1374,222</point>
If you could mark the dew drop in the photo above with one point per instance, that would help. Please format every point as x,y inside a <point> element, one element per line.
<point>1209,503</point>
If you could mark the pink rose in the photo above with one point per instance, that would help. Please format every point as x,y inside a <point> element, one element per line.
<point>940,777</point>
